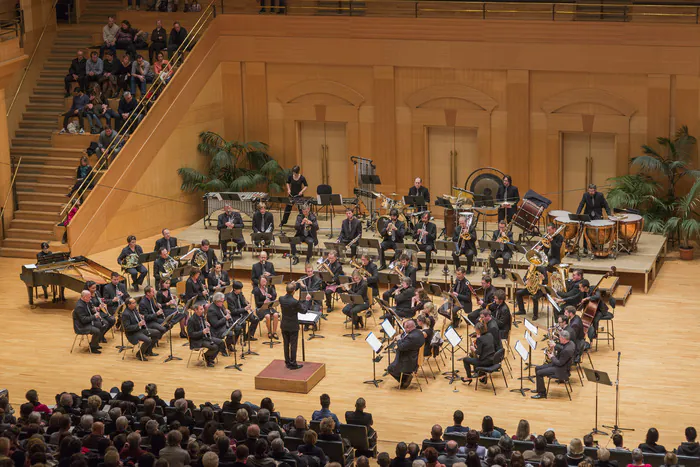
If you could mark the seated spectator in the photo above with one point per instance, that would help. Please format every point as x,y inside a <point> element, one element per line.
<point>95,109</point>
<point>638,459</point>
<point>96,389</point>
<point>431,458</point>
<point>126,393</point>
<point>125,38</point>
<point>266,425</point>
<point>223,449</point>
<point>309,448</point>
<point>235,403</point>
<point>280,455</point>
<point>80,100</point>
<point>690,447</point>
<point>209,459</point>
<point>472,460</point>
<point>84,428</point>
<point>325,410</point>
<point>327,430</point>
<point>516,459</point>
<point>133,3</point>
<point>64,427</point>
<point>670,460</point>
<point>603,459</point>
<point>173,453</point>
<point>360,417</point>
<point>149,412</point>
<point>182,415</point>
<point>178,34</point>
<point>490,457</point>
<point>242,453</point>
<point>523,432</point>
<point>76,72</point>
<point>383,459</point>
<point>141,74</point>
<point>93,69</point>
<point>195,7</point>
<point>501,460</point>
<point>551,437</point>
<point>472,444</point>
<point>108,141</point>
<point>487,428</point>
<point>574,452</point>
<point>458,418</point>
<point>180,394</point>
<point>33,398</point>
<point>132,449</point>
<point>650,444</point>
<point>252,437</point>
<point>266,403</point>
<point>435,441</point>
<point>121,427</point>
<point>94,408</point>
<point>123,74</point>
<point>151,390</point>
<point>539,452</point>
<point>162,68</point>
<point>240,426</point>
<point>260,456</point>
<point>450,456</point>
<point>159,41</point>
<point>505,442</point>
<point>207,435</point>
<point>588,441</point>
<point>300,427</point>
<point>109,37</point>
<point>618,442</point>
<point>127,108</point>
<point>154,437</point>
<point>108,80</point>
<point>401,460</point>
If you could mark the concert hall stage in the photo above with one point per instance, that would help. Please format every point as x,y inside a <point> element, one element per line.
<point>638,269</point>
<point>276,377</point>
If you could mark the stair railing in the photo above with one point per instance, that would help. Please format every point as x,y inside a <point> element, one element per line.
<point>144,104</point>
<point>10,191</point>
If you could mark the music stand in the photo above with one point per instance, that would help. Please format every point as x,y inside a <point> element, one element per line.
<point>277,279</point>
<point>597,377</point>
<point>227,235</point>
<point>291,241</point>
<point>524,354</point>
<point>172,319</point>
<point>417,202</point>
<point>352,299</point>
<point>369,179</point>
<point>376,346</point>
<point>369,243</point>
<point>147,259</point>
<point>454,339</point>
<point>581,219</point>
<point>515,279</point>
<point>388,278</point>
<point>339,248</point>
<point>303,322</point>
<point>259,237</point>
<point>318,296</point>
<point>236,365</point>
<point>445,245</point>
<point>328,201</point>
<point>435,289</point>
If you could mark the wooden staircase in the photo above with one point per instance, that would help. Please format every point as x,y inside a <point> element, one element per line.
<point>47,171</point>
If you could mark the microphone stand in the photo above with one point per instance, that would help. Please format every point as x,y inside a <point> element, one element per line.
<point>245,334</point>
<point>375,359</point>
<point>616,428</point>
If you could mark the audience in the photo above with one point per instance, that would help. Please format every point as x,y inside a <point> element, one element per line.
<point>650,444</point>
<point>76,72</point>
<point>522,433</point>
<point>325,411</point>
<point>574,452</point>
<point>450,457</point>
<point>488,430</point>
<point>80,100</point>
<point>638,459</point>
<point>435,441</point>
<point>538,452</point>
<point>178,34</point>
<point>690,447</point>
<point>458,418</point>
<point>159,41</point>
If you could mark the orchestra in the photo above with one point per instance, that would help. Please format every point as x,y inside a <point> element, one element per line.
<point>230,219</point>
<point>406,358</point>
<point>502,235</point>
<point>392,234</point>
<point>296,186</point>
<point>129,259</point>
<point>221,320</point>
<point>114,293</point>
<point>136,330</point>
<point>333,266</point>
<point>592,203</point>
<point>482,351</point>
<point>200,336</point>
<point>263,223</point>
<point>152,311</point>
<point>306,227</point>
<point>508,197</point>
<point>210,254</point>
<point>309,283</point>
<point>195,288</point>
<point>358,287</point>
<point>350,231</point>
<point>464,238</point>
<point>262,268</point>
<point>166,242</point>
<point>263,294</point>
<point>87,321</point>
<point>419,190</point>
<point>218,280</point>
<point>239,307</point>
<point>425,235</point>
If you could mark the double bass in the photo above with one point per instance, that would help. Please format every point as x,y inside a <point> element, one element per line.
<point>590,306</point>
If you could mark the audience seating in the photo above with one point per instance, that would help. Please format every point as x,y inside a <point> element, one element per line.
<point>359,439</point>
<point>336,452</point>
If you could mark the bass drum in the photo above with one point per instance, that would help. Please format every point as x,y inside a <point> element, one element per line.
<point>382,222</point>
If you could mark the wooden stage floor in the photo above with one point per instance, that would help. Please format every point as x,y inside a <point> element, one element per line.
<point>638,269</point>
<point>656,335</point>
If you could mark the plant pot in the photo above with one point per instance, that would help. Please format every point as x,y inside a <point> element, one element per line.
<point>686,253</point>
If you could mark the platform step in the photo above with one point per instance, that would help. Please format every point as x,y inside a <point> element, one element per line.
<point>9,252</point>
<point>32,224</point>
<point>22,141</point>
<point>68,178</point>
<point>47,169</point>
<point>41,196</point>
<point>622,293</point>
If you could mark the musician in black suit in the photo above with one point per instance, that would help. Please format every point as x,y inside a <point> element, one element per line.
<point>507,194</point>
<point>168,302</point>
<point>306,227</point>
<point>501,313</point>
<point>337,270</point>
<point>419,190</point>
<point>492,328</point>
<point>392,233</point>
<point>484,351</point>
<point>45,251</point>
<point>600,300</point>
<point>230,220</point>
<point>100,306</point>
<point>152,311</point>
<point>138,273</point>
<point>262,294</point>
<point>553,251</point>
<point>200,336</point>
<point>358,287</point>
<point>159,268</point>
<point>592,203</point>
<point>114,293</point>
<point>350,230</point>
<point>461,291</point>
<point>296,186</point>
<point>572,295</point>
<point>194,287</point>
<point>238,306</point>
<point>575,327</point>
<point>559,366</point>
<point>500,235</point>
<point>136,331</point>
<point>520,294</point>
<point>310,282</point>
<point>407,348</point>
<point>166,242</point>
<point>262,268</point>
<point>360,417</point>
<point>290,326</point>
<point>218,278</point>
<point>220,319</point>
<point>87,321</point>
<point>212,260</point>
<point>487,302</point>
<point>403,295</point>
<point>262,223</point>
<point>464,247</point>
<point>373,277</point>
<point>425,235</point>
<point>407,270</point>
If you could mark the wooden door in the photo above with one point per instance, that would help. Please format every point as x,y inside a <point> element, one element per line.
<point>312,145</point>
<point>453,154</point>
<point>338,167</point>
<point>324,157</point>
<point>586,159</point>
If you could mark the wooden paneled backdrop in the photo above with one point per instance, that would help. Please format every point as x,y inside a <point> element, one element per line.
<point>517,87</point>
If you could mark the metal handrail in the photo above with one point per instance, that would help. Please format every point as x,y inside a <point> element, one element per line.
<point>151,94</point>
<point>7,197</point>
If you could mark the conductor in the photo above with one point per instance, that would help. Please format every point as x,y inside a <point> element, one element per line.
<point>559,366</point>
<point>290,326</point>
<point>407,349</point>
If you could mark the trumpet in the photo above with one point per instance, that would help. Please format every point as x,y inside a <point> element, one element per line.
<point>307,223</point>
<point>396,269</point>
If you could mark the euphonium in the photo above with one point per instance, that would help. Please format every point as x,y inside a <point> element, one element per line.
<point>359,267</point>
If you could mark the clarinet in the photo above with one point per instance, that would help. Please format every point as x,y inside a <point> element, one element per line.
<point>140,318</point>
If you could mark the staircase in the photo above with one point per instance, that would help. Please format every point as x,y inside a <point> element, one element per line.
<point>47,172</point>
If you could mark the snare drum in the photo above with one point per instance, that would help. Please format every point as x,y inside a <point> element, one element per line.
<point>553,215</point>
<point>600,236</point>
<point>571,227</point>
<point>629,230</point>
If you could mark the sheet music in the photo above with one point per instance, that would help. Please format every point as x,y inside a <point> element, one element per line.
<point>554,303</point>
<point>452,337</point>
<point>520,348</point>
<point>530,340</point>
<point>388,328</point>
<point>373,342</point>
<point>531,327</point>
<point>307,317</point>
<point>30,266</point>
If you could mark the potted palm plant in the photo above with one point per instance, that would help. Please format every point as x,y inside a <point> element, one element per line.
<point>233,166</point>
<point>685,223</point>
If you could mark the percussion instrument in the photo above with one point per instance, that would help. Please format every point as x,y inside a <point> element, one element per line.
<point>629,229</point>
<point>552,215</point>
<point>528,216</point>
<point>600,236</point>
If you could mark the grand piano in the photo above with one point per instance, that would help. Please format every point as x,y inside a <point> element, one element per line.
<point>60,271</point>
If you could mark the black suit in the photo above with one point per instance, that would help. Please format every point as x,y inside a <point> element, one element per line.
<point>349,230</point>
<point>510,195</point>
<point>520,294</point>
<point>495,331</point>
<point>290,327</point>
<point>237,307</point>
<point>195,331</point>
<point>261,224</point>
<point>489,295</point>
<point>485,351</point>
<point>310,284</point>
<point>390,239</point>
<point>428,244</point>
<point>259,269</point>
<point>505,253</point>
<point>402,301</point>
<point>163,243</point>
<point>308,236</point>
<point>195,289</point>
<point>554,251</point>
<point>406,359</point>
<point>464,247</point>
<point>373,279</point>
<point>237,221</point>
<point>135,333</point>
<point>575,329</point>
<point>109,292</point>
<point>85,322</point>
<point>422,191</point>
<point>337,271</point>
<point>558,368</point>
<point>409,271</point>
<point>149,311</point>
<point>593,205</point>
<point>501,314</point>
<point>353,311</point>
<point>215,281</point>
<point>138,274</point>
<point>159,270</point>
<point>217,320</point>
<point>358,417</point>
<point>212,261</point>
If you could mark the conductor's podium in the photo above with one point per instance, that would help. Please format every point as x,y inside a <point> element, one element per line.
<point>276,377</point>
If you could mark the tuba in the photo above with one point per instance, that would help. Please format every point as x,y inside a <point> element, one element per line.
<point>131,261</point>
<point>169,266</point>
